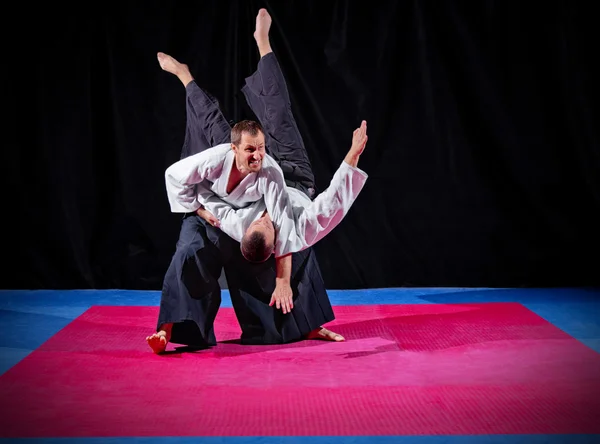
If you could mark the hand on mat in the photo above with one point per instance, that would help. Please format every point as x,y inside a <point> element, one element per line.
<point>283,297</point>
<point>208,217</point>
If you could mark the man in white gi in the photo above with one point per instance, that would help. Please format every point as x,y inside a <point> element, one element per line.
<point>300,222</point>
<point>240,173</point>
<point>297,222</point>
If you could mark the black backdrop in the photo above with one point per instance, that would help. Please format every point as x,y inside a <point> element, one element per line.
<point>483,150</point>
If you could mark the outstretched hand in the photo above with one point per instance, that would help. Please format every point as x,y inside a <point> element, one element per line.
<point>208,217</point>
<point>359,141</point>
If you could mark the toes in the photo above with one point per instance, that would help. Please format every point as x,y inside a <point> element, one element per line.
<point>328,334</point>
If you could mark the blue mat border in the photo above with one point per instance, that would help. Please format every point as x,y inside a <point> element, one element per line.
<point>454,439</point>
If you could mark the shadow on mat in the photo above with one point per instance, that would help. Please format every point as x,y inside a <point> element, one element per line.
<point>185,349</point>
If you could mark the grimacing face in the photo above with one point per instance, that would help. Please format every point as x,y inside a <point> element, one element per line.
<point>249,153</point>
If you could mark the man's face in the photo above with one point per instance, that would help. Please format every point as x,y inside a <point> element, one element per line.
<point>249,153</point>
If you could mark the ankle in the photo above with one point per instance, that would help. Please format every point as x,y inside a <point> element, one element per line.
<point>166,329</point>
<point>264,48</point>
<point>185,77</point>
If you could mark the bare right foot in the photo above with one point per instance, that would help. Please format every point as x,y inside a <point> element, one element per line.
<point>169,64</point>
<point>261,34</point>
<point>325,335</point>
<point>158,341</point>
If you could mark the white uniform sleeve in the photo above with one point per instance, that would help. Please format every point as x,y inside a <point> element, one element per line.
<point>181,179</point>
<point>328,209</point>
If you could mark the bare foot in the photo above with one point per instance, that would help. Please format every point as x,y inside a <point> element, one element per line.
<point>169,64</point>
<point>324,334</point>
<point>261,34</point>
<point>158,341</point>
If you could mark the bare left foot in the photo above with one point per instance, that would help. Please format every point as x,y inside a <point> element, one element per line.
<point>325,335</point>
<point>170,64</point>
<point>261,33</point>
<point>159,340</point>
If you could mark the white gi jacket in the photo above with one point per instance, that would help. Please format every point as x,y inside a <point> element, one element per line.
<point>201,181</point>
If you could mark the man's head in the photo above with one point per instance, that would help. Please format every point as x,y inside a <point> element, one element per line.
<point>258,242</point>
<point>248,144</point>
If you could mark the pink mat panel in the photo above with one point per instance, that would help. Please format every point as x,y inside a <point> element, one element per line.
<point>491,368</point>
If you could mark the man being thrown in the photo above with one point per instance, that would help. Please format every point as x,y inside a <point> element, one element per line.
<point>254,229</point>
<point>241,173</point>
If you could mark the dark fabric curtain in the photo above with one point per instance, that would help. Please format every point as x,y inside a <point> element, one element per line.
<point>483,150</point>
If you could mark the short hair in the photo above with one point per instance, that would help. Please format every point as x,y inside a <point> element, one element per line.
<point>245,126</point>
<point>255,248</point>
